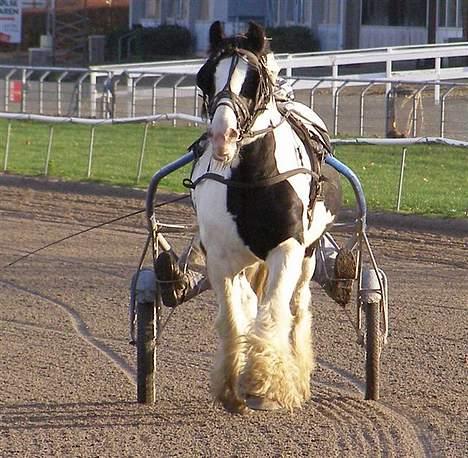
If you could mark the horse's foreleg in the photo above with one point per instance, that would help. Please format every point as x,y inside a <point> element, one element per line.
<point>271,372</point>
<point>301,334</point>
<point>237,306</point>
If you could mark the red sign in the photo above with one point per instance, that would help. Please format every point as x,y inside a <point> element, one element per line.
<point>16,91</point>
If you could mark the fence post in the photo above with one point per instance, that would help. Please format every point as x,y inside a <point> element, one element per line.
<point>361,108</point>
<point>7,88</point>
<point>335,107</point>
<point>59,92</point>
<point>130,95</point>
<point>41,91</point>
<point>90,151</point>
<point>388,70</point>
<point>174,97</point>
<point>92,94</point>
<point>334,75</point>
<point>437,86</point>
<point>142,153</point>
<point>153,94</point>
<point>288,67</point>
<point>49,149</point>
<point>195,105</point>
<point>24,88</point>
<point>442,111</point>
<point>312,94</point>
<point>135,81</point>
<point>80,93</point>
<point>390,118</point>
<point>400,182</point>
<point>416,97</point>
<point>7,147</point>
<point>23,91</point>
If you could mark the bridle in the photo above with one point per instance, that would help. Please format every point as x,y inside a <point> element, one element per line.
<point>246,115</point>
<point>246,111</point>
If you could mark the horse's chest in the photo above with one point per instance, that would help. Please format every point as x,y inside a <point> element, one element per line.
<point>256,219</point>
<point>265,217</point>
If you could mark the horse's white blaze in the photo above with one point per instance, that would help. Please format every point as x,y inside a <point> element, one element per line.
<point>224,146</point>
<point>224,119</point>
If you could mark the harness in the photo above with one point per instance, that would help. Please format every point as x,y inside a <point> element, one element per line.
<point>270,181</point>
<point>316,146</point>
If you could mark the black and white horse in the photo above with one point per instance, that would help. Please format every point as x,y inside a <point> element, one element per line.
<point>260,208</point>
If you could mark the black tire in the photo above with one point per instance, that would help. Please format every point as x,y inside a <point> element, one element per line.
<point>373,350</point>
<point>146,352</point>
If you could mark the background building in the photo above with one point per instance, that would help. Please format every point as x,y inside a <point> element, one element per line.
<point>337,24</point>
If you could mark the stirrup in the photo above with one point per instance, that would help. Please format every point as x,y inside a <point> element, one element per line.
<point>171,279</point>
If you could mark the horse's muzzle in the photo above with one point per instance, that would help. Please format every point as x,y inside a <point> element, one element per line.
<point>224,144</point>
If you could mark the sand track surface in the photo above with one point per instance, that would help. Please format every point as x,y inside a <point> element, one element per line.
<point>67,384</point>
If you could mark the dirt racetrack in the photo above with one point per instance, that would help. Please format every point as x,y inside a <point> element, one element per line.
<point>67,383</point>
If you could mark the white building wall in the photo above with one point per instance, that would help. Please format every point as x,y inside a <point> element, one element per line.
<point>444,33</point>
<point>383,36</point>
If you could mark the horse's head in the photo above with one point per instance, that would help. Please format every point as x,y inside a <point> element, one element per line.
<point>236,87</point>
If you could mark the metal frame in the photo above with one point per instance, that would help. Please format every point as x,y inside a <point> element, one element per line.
<point>372,286</point>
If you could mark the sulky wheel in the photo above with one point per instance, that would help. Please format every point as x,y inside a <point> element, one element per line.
<point>147,308</point>
<point>373,350</point>
<point>372,297</point>
<point>146,352</point>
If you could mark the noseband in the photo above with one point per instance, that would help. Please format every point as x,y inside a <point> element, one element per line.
<point>246,114</point>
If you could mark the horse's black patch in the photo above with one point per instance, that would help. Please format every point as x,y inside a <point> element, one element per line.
<point>265,216</point>
<point>205,78</point>
<point>250,84</point>
<point>332,193</point>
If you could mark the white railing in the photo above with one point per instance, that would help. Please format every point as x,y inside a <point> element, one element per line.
<point>131,90</point>
<point>334,61</point>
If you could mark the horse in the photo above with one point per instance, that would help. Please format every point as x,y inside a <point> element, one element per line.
<point>257,191</point>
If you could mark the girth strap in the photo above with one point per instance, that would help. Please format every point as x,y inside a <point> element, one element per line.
<point>188,183</point>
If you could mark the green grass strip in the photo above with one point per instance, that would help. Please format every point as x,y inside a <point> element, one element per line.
<point>435,177</point>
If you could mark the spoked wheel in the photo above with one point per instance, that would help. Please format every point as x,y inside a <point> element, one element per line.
<point>146,352</point>
<point>373,350</point>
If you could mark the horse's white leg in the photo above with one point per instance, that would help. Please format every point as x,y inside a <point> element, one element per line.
<point>271,373</point>
<point>237,307</point>
<point>301,335</point>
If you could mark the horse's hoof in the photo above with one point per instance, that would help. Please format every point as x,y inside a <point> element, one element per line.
<point>258,403</point>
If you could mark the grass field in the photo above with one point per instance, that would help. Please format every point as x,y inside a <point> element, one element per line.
<point>435,181</point>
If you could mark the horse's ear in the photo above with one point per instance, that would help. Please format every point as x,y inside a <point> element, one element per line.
<point>216,35</point>
<point>256,37</point>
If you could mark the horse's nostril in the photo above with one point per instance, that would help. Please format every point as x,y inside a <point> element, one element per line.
<point>232,134</point>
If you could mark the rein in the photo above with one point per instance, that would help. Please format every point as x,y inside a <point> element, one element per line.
<point>92,228</point>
